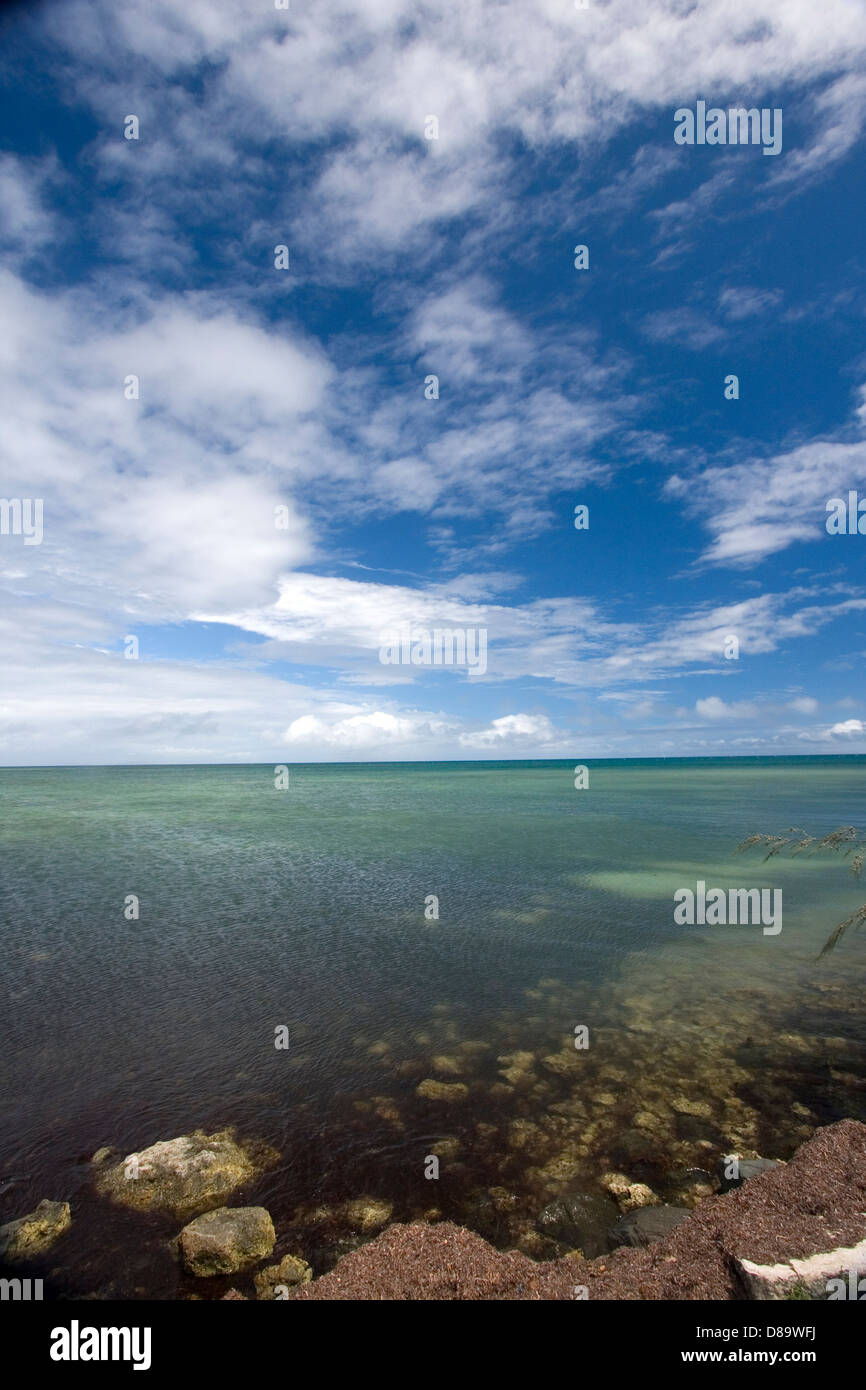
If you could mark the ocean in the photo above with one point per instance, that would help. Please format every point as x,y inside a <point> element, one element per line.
<point>458,924</point>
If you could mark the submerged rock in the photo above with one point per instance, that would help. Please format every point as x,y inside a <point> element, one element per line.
<point>521,1060</point>
<point>449,1066</point>
<point>734,1171</point>
<point>442,1090</point>
<point>289,1272</point>
<point>530,1242</point>
<point>226,1240</point>
<point>635,1145</point>
<point>582,1222</point>
<point>179,1175</point>
<point>368,1213</point>
<point>562,1063</point>
<point>707,1257</point>
<point>698,1109</point>
<point>629,1195</point>
<point>563,1167</point>
<point>503,1200</point>
<point>646,1224</point>
<point>386,1108</point>
<point>692,1187</point>
<point>524,1134</point>
<point>30,1234</point>
<point>103,1155</point>
<point>447,1147</point>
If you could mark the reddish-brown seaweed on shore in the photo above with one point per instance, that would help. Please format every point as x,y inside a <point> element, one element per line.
<point>814,1203</point>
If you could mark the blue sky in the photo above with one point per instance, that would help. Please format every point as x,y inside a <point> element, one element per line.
<point>262,388</point>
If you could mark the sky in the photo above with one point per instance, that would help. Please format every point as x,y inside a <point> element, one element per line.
<point>253,467</point>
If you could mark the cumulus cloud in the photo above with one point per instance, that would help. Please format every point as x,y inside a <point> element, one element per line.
<point>515,730</point>
<point>849,728</point>
<point>165,502</point>
<point>365,730</point>
<point>307,126</point>
<point>714,708</point>
<point>211,80</point>
<point>843,734</point>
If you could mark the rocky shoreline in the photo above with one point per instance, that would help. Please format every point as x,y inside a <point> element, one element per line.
<point>758,1228</point>
<point>756,1240</point>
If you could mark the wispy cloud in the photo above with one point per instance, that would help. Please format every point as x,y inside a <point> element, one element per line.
<point>219,444</point>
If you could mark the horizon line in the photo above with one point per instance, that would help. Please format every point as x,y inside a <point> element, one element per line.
<point>438,762</point>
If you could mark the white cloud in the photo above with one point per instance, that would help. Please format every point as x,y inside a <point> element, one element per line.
<point>25,221</point>
<point>839,116</point>
<point>364,731</point>
<point>515,730</point>
<point>758,507</point>
<point>366,77</point>
<point>73,703</point>
<point>714,708</point>
<point>162,510</point>
<point>158,505</point>
<point>463,333</point>
<point>684,326</point>
<point>849,728</point>
<point>342,622</point>
<point>236,417</point>
<point>742,303</point>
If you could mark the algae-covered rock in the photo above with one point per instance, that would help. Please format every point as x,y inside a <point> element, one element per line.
<point>271,1282</point>
<point>226,1240</point>
<point>35,1232</point>
<point>523,1134</point>
<point>685,1105</point>
<point>196,1170</point>
<point>442,1090</point>
<point>629,1195</point>
<point>517,1067</point>
<point>449,1065</point>
<point>103,1155</point>
<point>446,1147</point>
<point>691,1188</point>
<point>563,1063</point>
<point>368,1213</point>
<point>635,1145</point>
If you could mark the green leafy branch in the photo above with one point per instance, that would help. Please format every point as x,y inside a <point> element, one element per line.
<point>847,840</point>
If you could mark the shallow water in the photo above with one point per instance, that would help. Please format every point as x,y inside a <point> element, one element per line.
<point>305,907</point>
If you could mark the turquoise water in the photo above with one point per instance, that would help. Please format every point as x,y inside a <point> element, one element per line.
<point>306,908</point>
